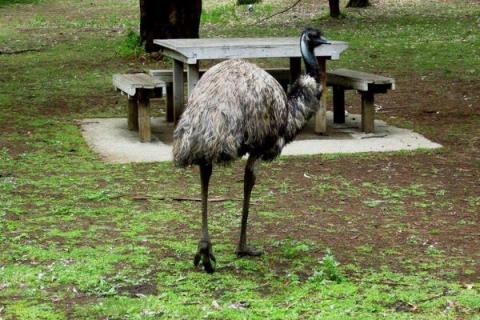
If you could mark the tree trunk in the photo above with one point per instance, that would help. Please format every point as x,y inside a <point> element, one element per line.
<point>168,19</point>
<point>358,3</point>
<point>334,8</point>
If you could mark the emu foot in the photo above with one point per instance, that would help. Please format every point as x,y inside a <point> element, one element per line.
<point>244,251</point>
<point>205,254</point>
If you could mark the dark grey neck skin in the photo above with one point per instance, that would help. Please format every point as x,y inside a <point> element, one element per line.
<point>311,63</point>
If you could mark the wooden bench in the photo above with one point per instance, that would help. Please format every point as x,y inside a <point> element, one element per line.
<point>140,88</point>
<point>366,84</point>
<point>342,79</point>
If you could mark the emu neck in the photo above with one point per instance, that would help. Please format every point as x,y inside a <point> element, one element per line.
<point>311,64</point>
<point>302,104</point>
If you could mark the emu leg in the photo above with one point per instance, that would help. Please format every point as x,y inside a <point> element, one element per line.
<point>249,181</point>
<point>204,251</point>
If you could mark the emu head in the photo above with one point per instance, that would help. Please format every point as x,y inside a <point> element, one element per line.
<point>312,38</point>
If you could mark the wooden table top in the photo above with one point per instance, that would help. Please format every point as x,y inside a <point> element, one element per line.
<point>192,50</point>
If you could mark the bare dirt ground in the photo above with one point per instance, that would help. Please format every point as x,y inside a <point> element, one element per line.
<point>446,112</point>
<point>446,215</point>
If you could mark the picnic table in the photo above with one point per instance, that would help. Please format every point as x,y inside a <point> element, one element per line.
<point>192,51</point>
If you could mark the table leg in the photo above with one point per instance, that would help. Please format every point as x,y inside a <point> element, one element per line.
<point>132,113</point>
<point>144,130</point>
<point>295,69</point>
<point>338,104</point>
<point>321,115</point>
<point>368,112</point>
<point>170,110</point>
<point>193,74</point>
<point>178,89</point>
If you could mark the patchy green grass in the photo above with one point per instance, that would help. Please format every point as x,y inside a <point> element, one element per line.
<point>12,2</point>
<point>83,239</point>
<point>416,36</point>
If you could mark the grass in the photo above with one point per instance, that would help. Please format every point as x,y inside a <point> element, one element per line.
<point>76,242</point>
<point>10,2</point>
<point>425,36</point>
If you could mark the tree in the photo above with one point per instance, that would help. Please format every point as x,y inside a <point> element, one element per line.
<point>168,19</point>
<point>334,8</point>
<point>358,3</point>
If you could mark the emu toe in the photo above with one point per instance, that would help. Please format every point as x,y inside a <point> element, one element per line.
<point>248,251</point>
<point>205,254</point>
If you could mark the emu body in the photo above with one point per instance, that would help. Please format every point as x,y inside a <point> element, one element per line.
<point>237,108</point>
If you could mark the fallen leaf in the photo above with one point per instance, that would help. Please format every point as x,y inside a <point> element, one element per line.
<point>216,305</point>
<point>468,286</point>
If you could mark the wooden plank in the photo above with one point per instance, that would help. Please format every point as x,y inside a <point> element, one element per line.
<point>295,69</point>
<point>262,42</point>
<point>121,84</point>
<point>362,81</point>
<point>368,112</point>
<point>193,75</point>
<point>144,130</point>
<point>142,80</point>
<point>132,114</point>
<point>129,83</point>
<point>192,50</point>
<point>321,115</point>
<point>176,44</point>
<point>178,89</point>
<point>338,104</point>
<point>369,77</point>
<point>346,83</point>
<point>166,74</point>
<point>174,54</point>
<point>170,110</point>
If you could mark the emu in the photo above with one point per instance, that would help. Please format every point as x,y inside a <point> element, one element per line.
<point>237,108</point>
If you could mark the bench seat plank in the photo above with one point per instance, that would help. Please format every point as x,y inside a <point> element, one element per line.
<point>130,83</point>
<point>359,80</point>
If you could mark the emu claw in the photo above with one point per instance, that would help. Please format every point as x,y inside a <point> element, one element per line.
<point>248,251</point>
<point>205,254</point>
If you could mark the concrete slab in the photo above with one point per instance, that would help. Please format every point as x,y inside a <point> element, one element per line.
<point>111,139</point>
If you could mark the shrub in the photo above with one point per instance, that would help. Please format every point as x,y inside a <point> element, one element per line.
<point>131,45</point>
<point>328,269</point>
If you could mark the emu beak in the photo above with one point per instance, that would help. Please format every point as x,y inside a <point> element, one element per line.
<point>321,41</point>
